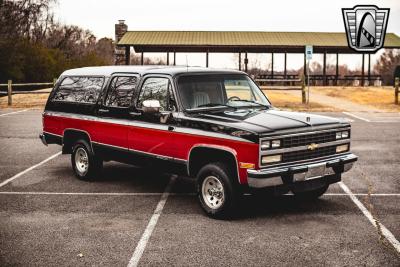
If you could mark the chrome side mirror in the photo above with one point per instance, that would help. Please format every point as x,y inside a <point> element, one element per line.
<point>151,106</point>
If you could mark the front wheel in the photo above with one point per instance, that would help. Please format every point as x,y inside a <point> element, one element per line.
<point>312,194</point>
<point>85,163</point>
<point>216,191</point>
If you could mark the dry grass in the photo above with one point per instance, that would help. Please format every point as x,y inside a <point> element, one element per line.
<point>288,101</point>
<point>25,101</point>
<point>279,99</point>
<point>378,97</point>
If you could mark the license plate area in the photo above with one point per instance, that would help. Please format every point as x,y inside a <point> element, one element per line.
<point>315,171</point>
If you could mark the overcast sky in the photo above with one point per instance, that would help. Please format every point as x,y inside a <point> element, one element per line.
<point>250,15</point>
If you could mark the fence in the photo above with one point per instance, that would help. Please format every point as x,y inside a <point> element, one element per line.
<point>10,91</point>
<point>298,85</point>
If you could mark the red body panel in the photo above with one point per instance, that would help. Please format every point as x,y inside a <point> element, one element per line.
<point>160,142</point>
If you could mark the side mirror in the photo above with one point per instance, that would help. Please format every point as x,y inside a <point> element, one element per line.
<point>151,106</point>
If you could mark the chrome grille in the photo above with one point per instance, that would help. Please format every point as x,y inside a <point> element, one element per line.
<point>306,139</point>
<point>308,154</point>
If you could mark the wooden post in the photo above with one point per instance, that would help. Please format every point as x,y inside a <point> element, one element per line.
<point>303,89</point>
<point>207,59</point>
<point>369,69</point>
<point>284,65</point>
<point>246,61</point>
<point>54,82</point>
<point>167,58</point>
<point>272,66</point>
<point>127,55</point>
<point>324,70</point>
<point>240,61</point>
<point>337,68</point>
<point>174,58</point>
<point>141,59</point>
<point>9,91</point>
<point>304,65</point>
<point>362,70</point>
<point>396,90</point>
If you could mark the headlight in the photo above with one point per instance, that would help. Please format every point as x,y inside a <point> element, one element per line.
<point>271,159</point>
<point>345,134</point>
<point>275,143</point>
<point>342,148</point>
<point>342,135</point>
<point>270,144</point>
<point>265,145</point>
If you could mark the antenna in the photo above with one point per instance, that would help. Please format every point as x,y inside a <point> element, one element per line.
<point>187,65</point>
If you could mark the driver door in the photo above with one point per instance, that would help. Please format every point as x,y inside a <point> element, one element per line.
<point>153,132</point>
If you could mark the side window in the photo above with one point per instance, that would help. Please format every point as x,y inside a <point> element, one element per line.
<point>79,89</point>
<point>156,89</point>
<point>121,91</point>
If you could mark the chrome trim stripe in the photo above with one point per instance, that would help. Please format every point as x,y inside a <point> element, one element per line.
<point>53,134</point>
<point>300,148</point>
<point>147,125</point>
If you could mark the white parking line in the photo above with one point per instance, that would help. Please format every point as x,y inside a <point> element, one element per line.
<point>385,232</point>
<point>1,115</point>
<point>29,169</point>
<point>170,194</point>
<point>355,116</point>
<point>137,254</point>
<point>93,193</point>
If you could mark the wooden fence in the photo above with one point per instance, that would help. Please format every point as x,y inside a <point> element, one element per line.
<point>298,85</point>
<point>10,91</point>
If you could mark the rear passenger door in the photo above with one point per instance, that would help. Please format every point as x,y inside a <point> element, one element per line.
<point>113,114</point>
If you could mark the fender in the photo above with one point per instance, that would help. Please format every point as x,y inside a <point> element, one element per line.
<point>217,147</point>
<point>77,130</point>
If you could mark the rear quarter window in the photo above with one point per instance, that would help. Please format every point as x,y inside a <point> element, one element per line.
<point>79,90</point>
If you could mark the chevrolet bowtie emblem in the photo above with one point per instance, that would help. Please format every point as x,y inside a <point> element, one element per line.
<point>312,146</point>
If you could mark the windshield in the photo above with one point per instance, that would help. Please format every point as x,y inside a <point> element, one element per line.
<point>219,90</point>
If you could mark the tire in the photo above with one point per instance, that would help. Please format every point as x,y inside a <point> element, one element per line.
<point>218,196</point>
<point>83,169</point>
<point>312,194</point>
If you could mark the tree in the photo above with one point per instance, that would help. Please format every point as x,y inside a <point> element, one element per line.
<point>386,65</point>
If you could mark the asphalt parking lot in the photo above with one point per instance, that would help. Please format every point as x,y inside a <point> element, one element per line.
<point>133,215</point>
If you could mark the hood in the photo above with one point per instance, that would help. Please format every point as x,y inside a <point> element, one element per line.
<point>262,121</point>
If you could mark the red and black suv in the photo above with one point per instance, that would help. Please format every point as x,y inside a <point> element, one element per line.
<point>215,125</point>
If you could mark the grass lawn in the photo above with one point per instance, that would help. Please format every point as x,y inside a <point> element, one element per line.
<point>378,97</point>
<point>288,101</point>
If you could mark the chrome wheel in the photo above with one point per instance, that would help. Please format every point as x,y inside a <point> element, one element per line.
<point>81,160</point>
<point>212,192</point>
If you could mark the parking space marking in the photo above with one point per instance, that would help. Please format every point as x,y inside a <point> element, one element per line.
<point>385,232</point>
<point>1,115</point>
<point>93,193</point>
<point>29,169</point>
<point>355,116</point>
<point>137,254</point>
<point>170,194</point>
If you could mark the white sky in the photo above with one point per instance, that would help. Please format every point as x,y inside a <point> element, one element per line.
<point>250,15</point>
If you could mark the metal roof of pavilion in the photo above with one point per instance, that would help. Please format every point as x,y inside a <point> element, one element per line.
<point>235,41</point>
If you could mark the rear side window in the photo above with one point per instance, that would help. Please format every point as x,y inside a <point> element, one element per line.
<point>121,91</point>
<point>79,90</point>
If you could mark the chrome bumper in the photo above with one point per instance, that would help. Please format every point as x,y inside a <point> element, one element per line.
<point>290,174</point>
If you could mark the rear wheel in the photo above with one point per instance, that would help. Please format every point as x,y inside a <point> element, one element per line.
<point>216,192</point>
<point>85,163</point>
<point>311,194</point>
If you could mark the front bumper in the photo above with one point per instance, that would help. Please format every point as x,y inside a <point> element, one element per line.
<point>293,174</point>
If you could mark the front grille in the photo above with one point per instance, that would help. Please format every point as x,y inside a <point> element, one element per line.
<point>308,154</point>
<point>306,139</point>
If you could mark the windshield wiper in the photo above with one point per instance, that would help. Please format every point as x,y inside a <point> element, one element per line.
<point>213,105</point>
<point>253,102</point>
